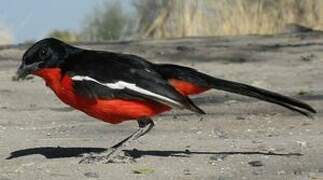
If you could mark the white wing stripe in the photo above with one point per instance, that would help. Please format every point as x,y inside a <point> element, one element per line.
<point>123,85</point>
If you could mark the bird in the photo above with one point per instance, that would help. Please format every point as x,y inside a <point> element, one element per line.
<point>117,87</point>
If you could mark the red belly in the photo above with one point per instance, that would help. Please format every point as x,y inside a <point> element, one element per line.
<point>108,110</point>
<point>116,110</point>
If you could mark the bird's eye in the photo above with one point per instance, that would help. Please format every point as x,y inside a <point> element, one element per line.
<point>43,53</point>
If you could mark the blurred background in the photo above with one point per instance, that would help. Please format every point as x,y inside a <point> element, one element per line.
<point>105,20</point>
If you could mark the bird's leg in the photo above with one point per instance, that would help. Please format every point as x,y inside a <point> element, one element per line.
<point>145,125</point>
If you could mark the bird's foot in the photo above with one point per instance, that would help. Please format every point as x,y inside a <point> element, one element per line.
<point>91,158</point>
<point>106,158</point>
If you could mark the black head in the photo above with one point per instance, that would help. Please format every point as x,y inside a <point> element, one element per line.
<point>46,53</point>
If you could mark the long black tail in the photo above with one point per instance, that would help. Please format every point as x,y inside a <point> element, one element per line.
<point>204,80</point>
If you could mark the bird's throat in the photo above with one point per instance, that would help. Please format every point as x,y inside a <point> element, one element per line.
<point>52,77</point>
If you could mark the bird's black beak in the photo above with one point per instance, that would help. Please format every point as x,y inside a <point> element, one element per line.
<point>25,70</point>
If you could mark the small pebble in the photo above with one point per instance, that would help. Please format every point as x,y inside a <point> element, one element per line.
<point>240,118</point>
<point>212,163</point>
<point>91,175</point>
<point>187,172</point>
<point>255,163</point>
<point>298,172</point>
<point>143,171</point>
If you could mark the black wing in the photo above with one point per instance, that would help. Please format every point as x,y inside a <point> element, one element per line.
<point>106,75</point>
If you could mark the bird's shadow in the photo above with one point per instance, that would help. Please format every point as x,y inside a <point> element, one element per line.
<point>55,152</point>
<point>66,152</point>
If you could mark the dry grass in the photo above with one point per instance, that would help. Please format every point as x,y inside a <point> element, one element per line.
<point>5,35</point>
<point>180,18</point>
<point>265,16</point>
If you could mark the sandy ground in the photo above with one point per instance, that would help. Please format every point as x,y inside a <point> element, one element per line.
<point>239,138</point>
